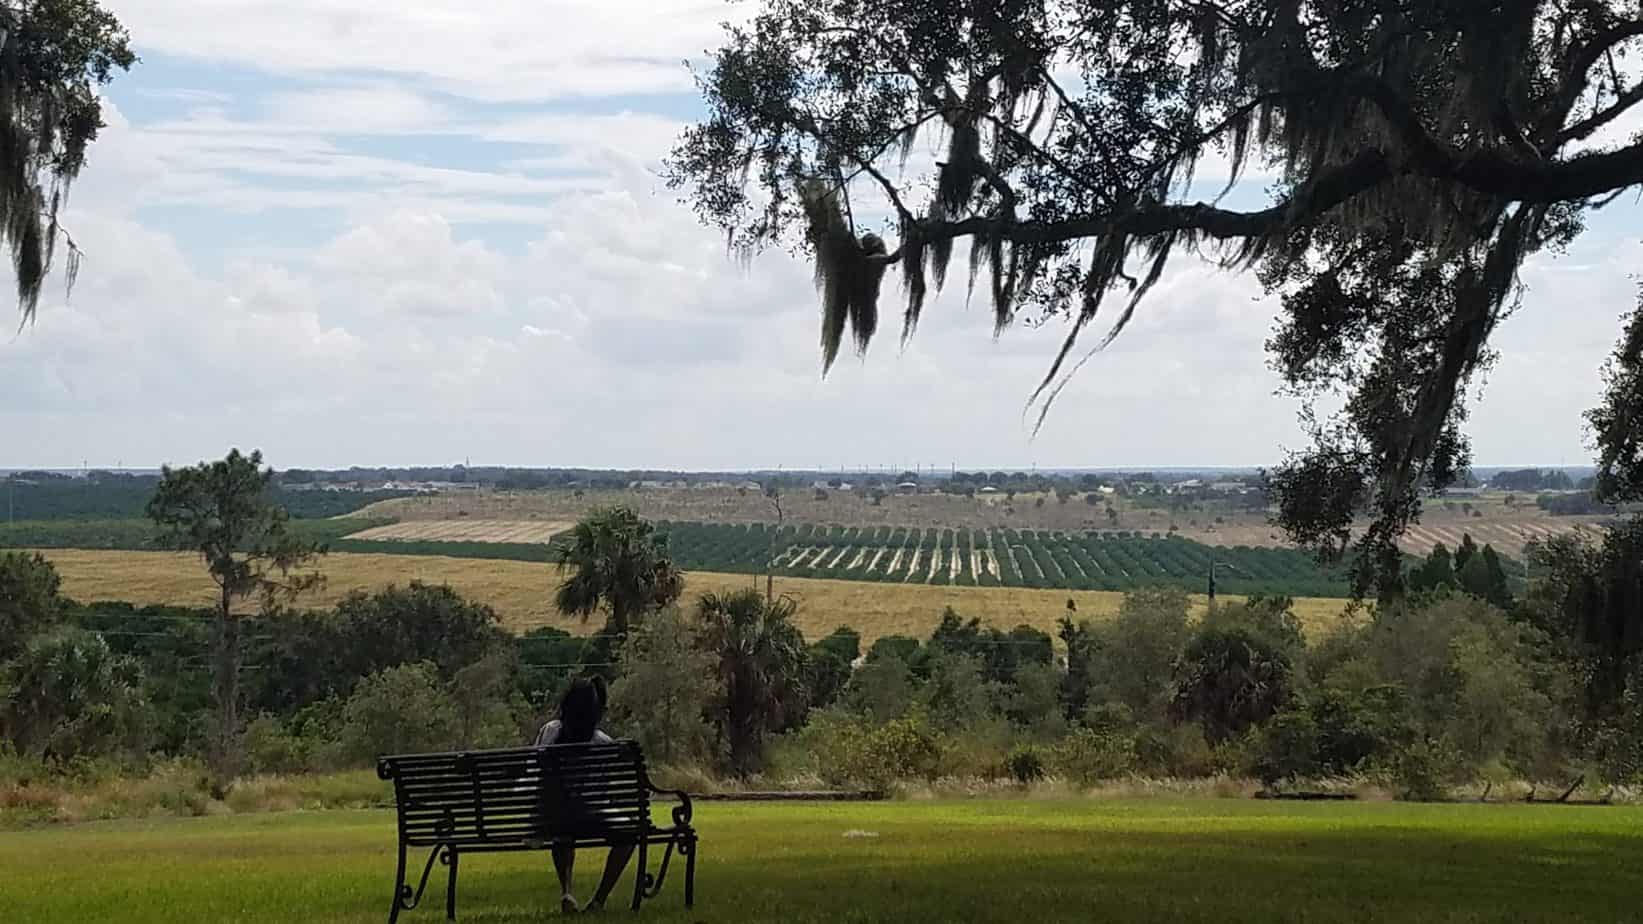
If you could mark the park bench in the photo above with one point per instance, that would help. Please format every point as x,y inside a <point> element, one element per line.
<point>584,795</point>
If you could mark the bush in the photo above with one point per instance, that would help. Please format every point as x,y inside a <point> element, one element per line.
<point>851,752</point>
<point>666,685</point>
<point>68,697</point>
<point>1090,755</point>
<point>397,711</point>
<point>29,600</point>
<point>1423,770</point>
<point>1025,764</point>
<point>270,748</point>
<point>880,690</point>
<point>1286,748</point>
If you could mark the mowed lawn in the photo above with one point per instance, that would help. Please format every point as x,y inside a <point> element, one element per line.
<point>523,591</point>
<point>996,860</point>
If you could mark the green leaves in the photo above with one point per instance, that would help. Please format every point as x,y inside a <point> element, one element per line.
<point>222,511</point>
<point>54,54</point>
<point>616,561</point>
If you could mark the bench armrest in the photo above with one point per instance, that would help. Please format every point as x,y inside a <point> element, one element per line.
<point>682,811</point>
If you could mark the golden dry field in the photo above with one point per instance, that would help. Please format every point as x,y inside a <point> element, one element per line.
<point>520,592</point>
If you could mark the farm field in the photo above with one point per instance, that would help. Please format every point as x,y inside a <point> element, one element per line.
<point>986,860</point>
<point>465,530</point>
<point>521,592</point>
<point>1113,560</point>
<point>1487,517</point>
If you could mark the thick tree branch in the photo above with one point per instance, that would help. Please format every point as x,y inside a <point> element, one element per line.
<point>1588,126</point>
<point>1531,183</point>
<point>1577,62</point>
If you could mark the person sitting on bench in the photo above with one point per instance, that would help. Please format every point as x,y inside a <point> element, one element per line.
<point>579,713</point>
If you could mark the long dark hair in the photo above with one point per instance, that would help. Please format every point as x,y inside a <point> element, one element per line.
<point>581,709</point>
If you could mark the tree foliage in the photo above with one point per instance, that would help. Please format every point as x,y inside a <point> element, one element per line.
<point>665,689</point>
<point>618,562</point>
<point>1617,422</point>
<point>221,510</point>
<point>759,657</point>
<point>29,600</point>
<point>1590,596</point>
<point>68,695</point>
<point>1423,150</point>
<point>54,57</point>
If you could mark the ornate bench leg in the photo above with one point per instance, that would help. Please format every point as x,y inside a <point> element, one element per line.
<point>399,887</point>
<point>450,885</point>
<point>688,848</point>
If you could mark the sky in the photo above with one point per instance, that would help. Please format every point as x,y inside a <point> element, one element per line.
<point>362,233</point>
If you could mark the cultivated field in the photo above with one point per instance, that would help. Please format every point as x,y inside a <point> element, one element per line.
<point>465,530</point>
<point>1003,861</point>
<point>1078,560</point>
<point>521,592</point>
<point>1488,518</point>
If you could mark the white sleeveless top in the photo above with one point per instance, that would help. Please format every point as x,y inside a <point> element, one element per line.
<point>550,735</point>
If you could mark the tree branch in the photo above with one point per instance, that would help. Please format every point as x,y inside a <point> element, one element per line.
<point>1577,62</point>
<point>1588,126</point>
<point>1511,180</point>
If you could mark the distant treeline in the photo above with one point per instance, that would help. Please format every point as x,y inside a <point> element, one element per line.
<point>143,535</point>
<point>118,496</point>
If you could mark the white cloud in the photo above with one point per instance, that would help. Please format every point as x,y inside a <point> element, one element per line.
<point>393,272</point>
<point>504,50</point>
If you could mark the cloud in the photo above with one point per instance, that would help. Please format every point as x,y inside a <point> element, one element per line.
<point>430,231</point>
<point>509,50</point>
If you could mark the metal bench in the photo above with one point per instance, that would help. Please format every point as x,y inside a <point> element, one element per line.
<point>582,795</point>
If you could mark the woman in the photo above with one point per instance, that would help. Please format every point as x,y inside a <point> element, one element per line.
<point>579,713</point>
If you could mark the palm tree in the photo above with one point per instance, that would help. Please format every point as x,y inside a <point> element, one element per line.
<point>760,656</point>
<point>68,695</point>
<point>618,563</point>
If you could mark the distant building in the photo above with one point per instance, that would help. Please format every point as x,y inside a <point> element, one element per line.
<point>1229,487</point>
<point>908,487</point>
<point>989,489</point>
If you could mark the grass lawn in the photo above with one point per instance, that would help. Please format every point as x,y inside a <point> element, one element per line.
<point>522,592</point>
<point>986,860</point>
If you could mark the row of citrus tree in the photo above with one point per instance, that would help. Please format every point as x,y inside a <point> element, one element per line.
<point>1106,560</point>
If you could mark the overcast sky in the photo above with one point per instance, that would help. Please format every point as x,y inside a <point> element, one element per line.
<point>351,232</point>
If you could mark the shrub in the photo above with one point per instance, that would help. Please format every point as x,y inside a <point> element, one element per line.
<point>957,693</point>
<point>666,684</point>
<point>1025,764</point>
<point>67,696</point>
<point>29,600</point>
<point>270,748</point>
<point>1286,748</point>
<point>881,689</point>
<point>396,711</point>
<point>1423,770</point>
<point>850,751</point>
<point>1090,755</point>
<point>1230,680</point>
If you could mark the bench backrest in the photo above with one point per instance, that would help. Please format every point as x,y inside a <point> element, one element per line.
<point>508,796</point>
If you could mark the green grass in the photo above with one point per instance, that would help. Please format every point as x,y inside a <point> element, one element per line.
<point>999,860</point>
